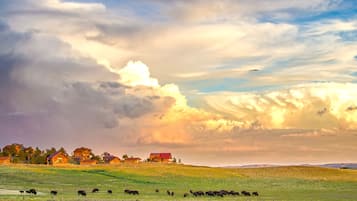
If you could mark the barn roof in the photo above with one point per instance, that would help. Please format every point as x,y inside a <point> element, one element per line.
<point>162,155</point>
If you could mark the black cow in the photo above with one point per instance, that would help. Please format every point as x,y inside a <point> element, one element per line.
<point>245,193</point>
<point>21,191</point>
<point>233,193</point>
<point>32,191</point>
<point>95,190</point>
<point>81,193</point>
<point>255,193</point>
<point>156,190</point>
<point>109,191</point>
<point>131,192</point>
<point>53,192</point>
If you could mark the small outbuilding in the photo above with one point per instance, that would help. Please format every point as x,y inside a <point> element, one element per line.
<point>114,160</point>
<point>132,160</point>
<point>4,160</point>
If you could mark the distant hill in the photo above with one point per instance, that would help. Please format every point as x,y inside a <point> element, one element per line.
<point>252,166</point>
<point>340,165</point>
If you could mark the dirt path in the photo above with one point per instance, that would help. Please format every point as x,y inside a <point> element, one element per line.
<point>9,192</point>
<point>14,192</point>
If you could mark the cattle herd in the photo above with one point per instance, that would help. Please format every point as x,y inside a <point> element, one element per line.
<point>210,193</point>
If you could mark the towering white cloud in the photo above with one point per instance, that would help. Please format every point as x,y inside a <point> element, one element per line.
<point>320,105</point>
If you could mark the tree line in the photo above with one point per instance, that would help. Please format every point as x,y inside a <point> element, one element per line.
<point>21,154</point>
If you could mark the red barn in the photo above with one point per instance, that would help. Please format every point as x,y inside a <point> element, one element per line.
<point>160,157</point>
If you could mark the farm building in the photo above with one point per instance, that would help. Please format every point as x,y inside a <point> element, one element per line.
<point>88,162</point>
<point>132,160</point>
<point>110,159</point>
<point>5,160</point>
<point>114,160</point>
<point>81,154</point>
<point>160,157</point>
<point>57,158</point>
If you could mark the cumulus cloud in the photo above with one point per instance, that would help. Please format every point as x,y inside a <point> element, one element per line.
<point>319,105</point>
<point>63,89</point>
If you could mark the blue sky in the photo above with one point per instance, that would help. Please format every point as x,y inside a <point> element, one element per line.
<point>304,17</point>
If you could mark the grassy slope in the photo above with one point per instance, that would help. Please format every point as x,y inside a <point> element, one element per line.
<point>279,183</point>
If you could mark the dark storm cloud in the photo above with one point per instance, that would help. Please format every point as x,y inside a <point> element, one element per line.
<point>50,93</point>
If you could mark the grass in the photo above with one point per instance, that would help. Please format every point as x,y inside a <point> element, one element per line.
<point>276,183</point>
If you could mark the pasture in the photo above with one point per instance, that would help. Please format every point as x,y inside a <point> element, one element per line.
<point>272,184</point>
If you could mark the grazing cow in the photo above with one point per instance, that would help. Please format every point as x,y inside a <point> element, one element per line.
<point>21,191</point>
<point>168,192</point>
<point>53,192</point>
<point>255,193</point>
<point>233,193</point>
<point>185,195</point>
<point>157,190</point>
<point>131,192</point>
<point>172,193</point>
<point>95,190</point>
<point>32,191</point>
<point>81,193</point>
<point>197,193</point>
<point>109,191</point>
<point>245,193</point>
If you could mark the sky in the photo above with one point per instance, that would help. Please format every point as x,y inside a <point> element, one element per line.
<point>216,83</point>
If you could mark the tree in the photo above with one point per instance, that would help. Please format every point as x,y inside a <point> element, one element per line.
<point>38,157</point>
<point>63,150</point>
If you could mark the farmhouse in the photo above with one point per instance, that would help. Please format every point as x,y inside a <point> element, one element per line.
<point>81,154</point>
<point>57,158</point>
<point>132,160</point>
<point>160,157</point>
<point>5,160</point>
<point>88,162</point>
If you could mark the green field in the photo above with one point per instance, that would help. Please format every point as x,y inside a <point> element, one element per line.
<point>278,183</point>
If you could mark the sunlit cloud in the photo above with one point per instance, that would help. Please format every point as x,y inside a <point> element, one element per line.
<point>319,105</point>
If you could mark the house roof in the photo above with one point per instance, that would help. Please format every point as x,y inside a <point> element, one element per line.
<point>55,154</point>
<point>162,155</point>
